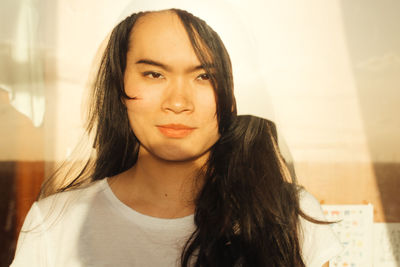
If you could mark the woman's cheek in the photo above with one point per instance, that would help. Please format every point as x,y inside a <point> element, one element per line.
<point>143,103</point>
<point>207,103</point>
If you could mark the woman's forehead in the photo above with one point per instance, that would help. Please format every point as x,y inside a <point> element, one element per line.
<point>156,24</point>
<point>162,37</point>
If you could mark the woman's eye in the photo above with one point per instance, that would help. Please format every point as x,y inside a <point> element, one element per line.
<point>203,77</point>
<point>153,75</point>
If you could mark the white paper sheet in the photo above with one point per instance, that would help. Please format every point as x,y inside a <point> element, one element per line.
<point>354,231</point>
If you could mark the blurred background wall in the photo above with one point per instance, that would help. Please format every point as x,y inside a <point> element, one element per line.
<point>328,74</point>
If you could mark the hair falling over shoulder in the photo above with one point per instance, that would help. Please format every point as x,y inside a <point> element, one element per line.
<point>247,213</point>
<point>114,147</point>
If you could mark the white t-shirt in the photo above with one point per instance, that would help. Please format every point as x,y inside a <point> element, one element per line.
<point>92,227</point>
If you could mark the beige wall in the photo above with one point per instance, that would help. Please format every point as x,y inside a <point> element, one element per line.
<point>330,71</point>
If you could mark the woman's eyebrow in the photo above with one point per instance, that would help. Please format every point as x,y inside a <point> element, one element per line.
<point>207,66</point>
<point>169,68</point>
<point>153,63</point>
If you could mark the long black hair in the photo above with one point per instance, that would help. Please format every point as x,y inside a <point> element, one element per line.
<point>247,212</point>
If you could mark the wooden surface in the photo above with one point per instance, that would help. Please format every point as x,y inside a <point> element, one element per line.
<point>28,176</point>
<point>355,183</point>
<point>7,212</point>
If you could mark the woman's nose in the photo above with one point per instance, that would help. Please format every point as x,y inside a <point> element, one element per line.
<point>178,97</point>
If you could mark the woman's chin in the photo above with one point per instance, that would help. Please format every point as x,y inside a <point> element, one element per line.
<point>179,155</point>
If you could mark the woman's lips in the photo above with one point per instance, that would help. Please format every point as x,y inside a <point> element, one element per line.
<point>175,130</point>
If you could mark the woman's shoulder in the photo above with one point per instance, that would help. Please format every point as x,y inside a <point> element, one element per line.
<point>74,198</point>
<point>319,242</point>
<point>310,205</point>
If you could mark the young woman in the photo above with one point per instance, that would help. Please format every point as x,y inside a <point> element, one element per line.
<point>178,179</point>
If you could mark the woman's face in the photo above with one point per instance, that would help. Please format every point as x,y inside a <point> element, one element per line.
<point>174,111</point>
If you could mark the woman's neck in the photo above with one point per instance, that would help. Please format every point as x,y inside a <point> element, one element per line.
<point>160,188</point>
